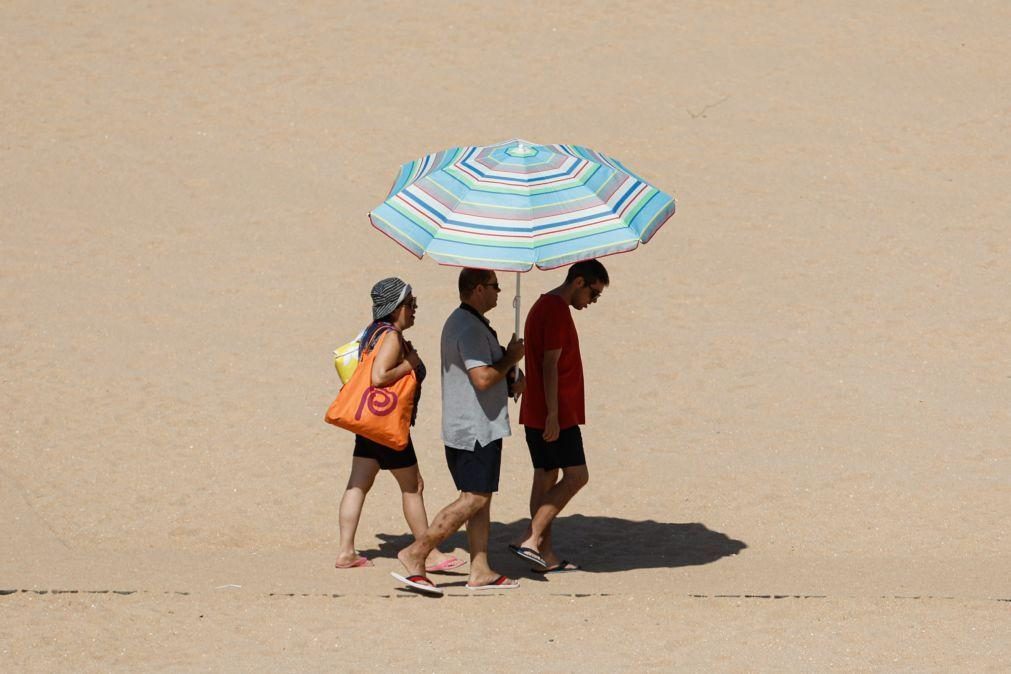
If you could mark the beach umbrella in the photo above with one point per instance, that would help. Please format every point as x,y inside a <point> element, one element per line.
<point>517,205</point>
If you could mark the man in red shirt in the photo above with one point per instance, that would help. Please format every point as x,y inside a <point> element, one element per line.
<point>553,408</point>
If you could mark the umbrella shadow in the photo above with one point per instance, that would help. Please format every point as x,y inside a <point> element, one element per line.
<point>601,544</point>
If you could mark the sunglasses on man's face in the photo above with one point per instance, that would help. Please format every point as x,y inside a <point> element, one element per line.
<point>493,285</point>
<point>410,303</point>
<point>594,293</point>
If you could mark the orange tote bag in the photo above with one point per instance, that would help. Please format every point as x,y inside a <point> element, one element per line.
<point>379,414</point>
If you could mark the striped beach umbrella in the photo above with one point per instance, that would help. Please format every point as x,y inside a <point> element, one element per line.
<point>516,205</point>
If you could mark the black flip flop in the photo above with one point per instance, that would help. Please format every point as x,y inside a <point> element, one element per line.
<point>528,554</point>
<point>564,566</point>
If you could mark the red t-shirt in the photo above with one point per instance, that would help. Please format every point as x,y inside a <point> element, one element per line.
<point>549,326</point>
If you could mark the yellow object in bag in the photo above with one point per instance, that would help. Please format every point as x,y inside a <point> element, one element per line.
<point>345,358</point>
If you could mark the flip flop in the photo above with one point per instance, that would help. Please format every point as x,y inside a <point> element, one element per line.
<point>500,583</point>
<point>448,564</point>
<point>528,554</point>
<point>359,562</point>
<point>419,582</point>
<point>563,566</point>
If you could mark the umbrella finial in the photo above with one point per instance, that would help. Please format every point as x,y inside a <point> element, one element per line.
<point>521,150</point>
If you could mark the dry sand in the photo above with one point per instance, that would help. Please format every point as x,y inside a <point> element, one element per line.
<point>799,391</point>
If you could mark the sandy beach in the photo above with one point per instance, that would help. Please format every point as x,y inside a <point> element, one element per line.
<point>799,392</point>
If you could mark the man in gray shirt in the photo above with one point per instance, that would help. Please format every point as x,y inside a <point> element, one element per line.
<point>475,393</point>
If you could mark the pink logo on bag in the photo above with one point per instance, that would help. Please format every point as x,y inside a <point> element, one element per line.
<point>380,402</point>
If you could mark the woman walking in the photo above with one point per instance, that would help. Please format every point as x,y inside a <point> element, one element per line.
<point>393,311</point>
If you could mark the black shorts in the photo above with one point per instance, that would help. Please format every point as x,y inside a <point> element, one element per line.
<point>477,471</point>
<point>564,452</point>
<point>387,457</point>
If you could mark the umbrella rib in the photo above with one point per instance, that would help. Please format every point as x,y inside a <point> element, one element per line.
<point>373,217</point>
<point>577,253</point>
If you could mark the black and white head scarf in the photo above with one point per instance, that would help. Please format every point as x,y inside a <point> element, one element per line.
<point>387,296</point>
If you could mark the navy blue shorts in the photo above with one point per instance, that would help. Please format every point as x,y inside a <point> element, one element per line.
<point>387,457</point>
<point>477,471</point>
<point>565,452</point>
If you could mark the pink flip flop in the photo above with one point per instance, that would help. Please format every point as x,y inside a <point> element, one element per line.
<point>358,563</point>
<point>448,564</point>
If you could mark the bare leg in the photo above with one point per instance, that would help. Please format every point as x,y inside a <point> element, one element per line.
<point>412,487</point>
<point>363,474</point>
<point>573,479</point>
<point>548,480</point>
<point>478,527</point>
<point>543,481</point>
<point>442,527</point>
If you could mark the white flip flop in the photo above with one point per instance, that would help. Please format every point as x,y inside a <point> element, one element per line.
<point>428,587</point>
<point>500,583</point>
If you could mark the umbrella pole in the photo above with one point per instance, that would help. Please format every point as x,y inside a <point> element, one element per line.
<point>516,306</point>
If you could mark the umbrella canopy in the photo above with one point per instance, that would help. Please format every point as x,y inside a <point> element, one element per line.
<point>514,205</point>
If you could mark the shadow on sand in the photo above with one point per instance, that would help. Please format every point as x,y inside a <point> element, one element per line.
<point>600,544</point>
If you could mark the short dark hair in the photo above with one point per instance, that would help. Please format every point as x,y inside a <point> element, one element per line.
<point>590,271</point>
<point>471,278</point>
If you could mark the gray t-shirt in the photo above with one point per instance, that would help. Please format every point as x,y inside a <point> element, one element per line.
<point>469,415</point>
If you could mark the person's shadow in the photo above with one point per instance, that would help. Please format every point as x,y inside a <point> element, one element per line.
<point>599,544</point>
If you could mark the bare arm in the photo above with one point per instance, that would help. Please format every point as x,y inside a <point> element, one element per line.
<point>484,377</point>
<point>390,363</point>
<point>550,374</point>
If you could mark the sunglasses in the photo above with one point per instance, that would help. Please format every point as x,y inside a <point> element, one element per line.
<point>594,293</point>
<point>411,303</point>
<point>493,285</point>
